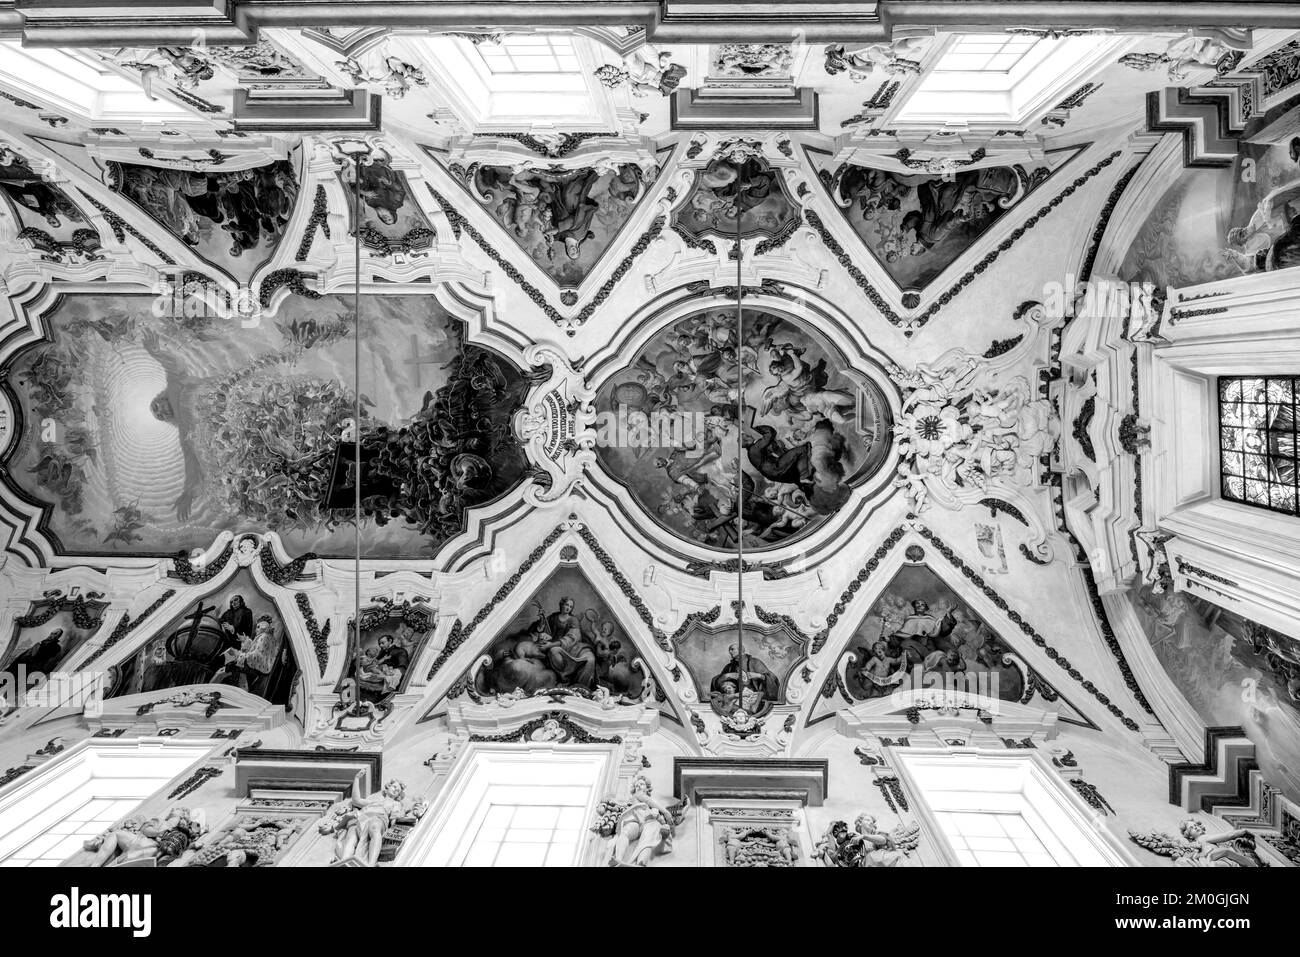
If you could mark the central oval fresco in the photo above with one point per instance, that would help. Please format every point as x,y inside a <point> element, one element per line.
<point>813,428</point>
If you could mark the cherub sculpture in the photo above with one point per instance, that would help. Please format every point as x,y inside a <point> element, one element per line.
<point>642,826</point>
<point>397,76</point>
<point>359,824</point>
<point>152,842</point>
<point>900,57</point>
<point>646,71</point>
<point>1195,849</point>
<point>1182,55</point>
<point>866,845</point>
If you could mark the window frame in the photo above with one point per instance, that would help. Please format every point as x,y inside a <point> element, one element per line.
<point>445,835</point>
<point>1041,788</point>
<point>1222,469</point>
<point>30,797</point>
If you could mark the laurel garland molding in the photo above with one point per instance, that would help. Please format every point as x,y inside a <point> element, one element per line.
<point>577,733</point>
<point>976,579</point>
<point>195,781</point>
<point>292,279</point>
<point>126,624</point>
<point>1001,347</point>
<point>121,228</point>
<point>565,144</point>
<point>13,774</point>
<point>997,505</point>
<point>693,242</point>
<point>865,572</point>
<point>278,574</point>
<point>695,617</point>
<point>319,636</point>
<point>1186,568</point>
<point>319,220</point>
<point>1079,430</point>
<point>459,634</point>
<point>611,568</point>
<point>184,569</point>
<point>909,326</point>
<point>83,615</point>
<point>1103,220</point>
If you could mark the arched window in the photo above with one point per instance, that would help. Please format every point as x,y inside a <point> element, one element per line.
<point>1257,441</point>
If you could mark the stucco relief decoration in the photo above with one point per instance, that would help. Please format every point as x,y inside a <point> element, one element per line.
<point>965,435</point>
<point>556,424</point>
<point>867,844</point>
<point>899,57</point>
<point>646,71</point>
<point>756,60</point>
<point>640,828</point>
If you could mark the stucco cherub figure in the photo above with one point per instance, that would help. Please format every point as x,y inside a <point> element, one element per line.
<point>1195,849</point>
<point>152,842</point>
<point>898,57</point>
<point>866,845</point>
<point>642,826</point>
<point>358,824</point>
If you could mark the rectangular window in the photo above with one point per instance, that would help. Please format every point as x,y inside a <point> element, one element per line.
<point>1003,77</point>
<point>511,805</point>
<point>994,839</point>
<point>1257,442</point>
<point>530,827</point>
<point>530,54</point>
<point>47,815</point>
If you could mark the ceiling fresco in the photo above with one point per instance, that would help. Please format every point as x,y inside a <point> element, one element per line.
<point>916,224</point>
<point>813,427</point>
<point>660,389</point>
<point>564,220</point>
<point>148,434</point>
<point>232,219</point>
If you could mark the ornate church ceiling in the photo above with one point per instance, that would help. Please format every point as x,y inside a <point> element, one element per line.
<point>542,362</point>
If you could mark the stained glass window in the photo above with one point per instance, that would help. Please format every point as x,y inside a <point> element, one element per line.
<point>1257,441</point>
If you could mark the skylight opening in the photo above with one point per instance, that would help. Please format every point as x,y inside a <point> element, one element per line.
<point>69,82</point>
<point>1000,77</point>
<point>530,54</point>
<point>996,53</point>
<point>523,79</point>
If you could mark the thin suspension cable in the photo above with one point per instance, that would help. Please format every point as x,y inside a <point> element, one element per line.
<point>740,472</point>
<point>356,427</point>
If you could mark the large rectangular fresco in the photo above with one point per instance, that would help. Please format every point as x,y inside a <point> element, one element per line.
<point>147,435</point>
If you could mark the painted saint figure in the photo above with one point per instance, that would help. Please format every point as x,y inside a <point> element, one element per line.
<point>756,683</point>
